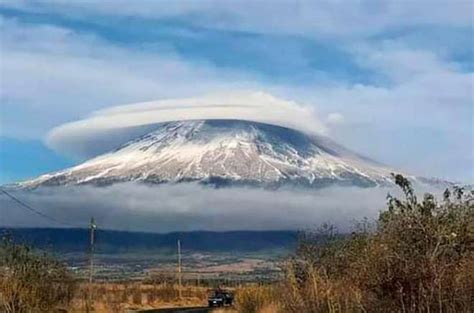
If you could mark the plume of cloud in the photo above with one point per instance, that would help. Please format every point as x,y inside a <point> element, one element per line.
<point>104,127</point>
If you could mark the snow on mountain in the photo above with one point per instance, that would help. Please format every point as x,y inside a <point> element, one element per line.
<point>224,152</point>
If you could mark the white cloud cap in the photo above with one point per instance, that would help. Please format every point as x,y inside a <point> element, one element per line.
<point>105,129</point>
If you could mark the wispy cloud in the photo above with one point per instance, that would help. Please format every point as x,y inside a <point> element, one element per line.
<point>56,75</point>
<point>311,18</point>
<point>421,109</point>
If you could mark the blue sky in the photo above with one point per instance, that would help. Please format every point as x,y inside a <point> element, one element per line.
<point>397,74</point>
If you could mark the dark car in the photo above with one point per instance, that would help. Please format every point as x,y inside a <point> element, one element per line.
<point>220,298</point>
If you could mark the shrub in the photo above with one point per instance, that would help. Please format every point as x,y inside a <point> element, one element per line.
<point>417,257</point>
<point>30,282</point>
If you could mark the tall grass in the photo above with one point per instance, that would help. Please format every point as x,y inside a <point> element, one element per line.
<point>122,297</point>
<point>417,257</point>
<point>255,298</point>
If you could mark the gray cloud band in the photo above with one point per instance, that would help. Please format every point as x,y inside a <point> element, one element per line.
<point>185,207</point>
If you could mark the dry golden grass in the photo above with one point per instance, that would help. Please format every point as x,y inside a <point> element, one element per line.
<point>121,297</point>
<point>418,257</point>
<point>254,298</point>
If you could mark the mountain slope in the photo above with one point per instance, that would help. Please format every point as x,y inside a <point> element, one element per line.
<point>113,241</point>
<point>223,152</point>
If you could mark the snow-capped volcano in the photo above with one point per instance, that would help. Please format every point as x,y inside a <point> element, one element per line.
<point>223,152</point>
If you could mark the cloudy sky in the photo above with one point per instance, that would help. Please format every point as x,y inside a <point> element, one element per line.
<point>390,79</point>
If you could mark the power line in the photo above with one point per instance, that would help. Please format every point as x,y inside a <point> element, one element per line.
<point>30,208</point>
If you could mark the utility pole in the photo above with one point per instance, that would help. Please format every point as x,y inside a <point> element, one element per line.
<point>92,227</point>
<point>179,269</point>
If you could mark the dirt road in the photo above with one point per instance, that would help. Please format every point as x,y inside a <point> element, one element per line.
<point>181,310</point>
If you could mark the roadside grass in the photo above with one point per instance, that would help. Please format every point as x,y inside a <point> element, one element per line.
<point>121,297</point>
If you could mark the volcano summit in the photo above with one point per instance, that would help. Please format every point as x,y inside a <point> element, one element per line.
<point>223,153</point>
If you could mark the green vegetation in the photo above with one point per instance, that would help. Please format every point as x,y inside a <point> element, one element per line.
<point>30,282</point>
<point>418,257</point>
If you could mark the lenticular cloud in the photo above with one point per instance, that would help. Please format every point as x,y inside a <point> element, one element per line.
<point>106,129</point>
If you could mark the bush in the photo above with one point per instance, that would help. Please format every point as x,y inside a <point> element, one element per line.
<point>30,282</point>
<point>417,257</point>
